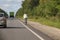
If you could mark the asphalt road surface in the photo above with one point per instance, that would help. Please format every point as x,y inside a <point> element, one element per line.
<point>17,31</point>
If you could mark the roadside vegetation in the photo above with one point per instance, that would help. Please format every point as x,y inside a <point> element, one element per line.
<point>44,21</point>
<point>2,11</point>
<point>46,12</point>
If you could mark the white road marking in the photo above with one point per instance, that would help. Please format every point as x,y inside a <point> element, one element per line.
<point>32,31</point>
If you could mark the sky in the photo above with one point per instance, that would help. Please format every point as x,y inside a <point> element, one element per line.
<point>10,5</point>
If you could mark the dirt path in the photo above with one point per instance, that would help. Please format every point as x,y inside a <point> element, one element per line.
<point>50,31</point>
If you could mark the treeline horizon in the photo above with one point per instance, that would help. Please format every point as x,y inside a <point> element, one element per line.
<point>49,9</point>
<point>2,11</point>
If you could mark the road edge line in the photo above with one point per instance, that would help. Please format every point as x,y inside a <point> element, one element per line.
<point>32,31</point>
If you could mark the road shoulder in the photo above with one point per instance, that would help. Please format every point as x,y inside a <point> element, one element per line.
<point>50,31</point>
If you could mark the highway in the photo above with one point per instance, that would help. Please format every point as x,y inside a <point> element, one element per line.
<point>16,30</point>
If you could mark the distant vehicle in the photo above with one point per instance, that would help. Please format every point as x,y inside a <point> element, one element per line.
<point>11,14</point>
<point>2,20</point>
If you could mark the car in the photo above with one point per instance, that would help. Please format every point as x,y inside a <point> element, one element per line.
<point>2,20</point>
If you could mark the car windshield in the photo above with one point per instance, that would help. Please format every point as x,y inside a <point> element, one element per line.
<point>1,15</point>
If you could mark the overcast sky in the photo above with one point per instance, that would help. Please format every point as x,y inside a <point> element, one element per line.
<point>10,5</point>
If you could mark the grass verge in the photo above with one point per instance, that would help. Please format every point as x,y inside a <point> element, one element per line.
<point>44,21</point>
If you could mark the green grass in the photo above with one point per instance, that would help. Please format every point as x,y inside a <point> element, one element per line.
<point>44,21</point>
<point>19,17</point>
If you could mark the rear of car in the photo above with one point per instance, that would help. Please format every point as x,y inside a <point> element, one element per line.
<point>2,20</point>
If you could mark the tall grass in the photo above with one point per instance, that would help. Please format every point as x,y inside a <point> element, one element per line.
<point>44,21</point>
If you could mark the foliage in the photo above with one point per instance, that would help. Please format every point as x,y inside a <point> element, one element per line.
<point>48,10</point>
<point>2,11</point>
<point>43,8</point>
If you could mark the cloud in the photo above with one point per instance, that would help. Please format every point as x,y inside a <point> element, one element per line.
<point>19,0</point>
<point>6,5</point>
<point>9,0</point>
<point>10,5</point>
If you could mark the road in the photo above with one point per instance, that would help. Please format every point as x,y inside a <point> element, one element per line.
<point>17,31</point>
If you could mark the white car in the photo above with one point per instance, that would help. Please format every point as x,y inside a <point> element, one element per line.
<point>2,20</point>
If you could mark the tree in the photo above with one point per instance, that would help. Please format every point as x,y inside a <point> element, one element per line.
<point>40,8</point>
<point>2,11</point>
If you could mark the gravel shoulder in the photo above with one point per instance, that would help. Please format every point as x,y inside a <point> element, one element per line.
<point>50,31</point>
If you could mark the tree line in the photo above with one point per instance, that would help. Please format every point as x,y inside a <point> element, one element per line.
<point>40,8</point>
<point>5,13</point>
